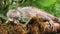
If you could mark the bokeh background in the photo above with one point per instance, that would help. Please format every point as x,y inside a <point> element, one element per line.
<point>51,6</point>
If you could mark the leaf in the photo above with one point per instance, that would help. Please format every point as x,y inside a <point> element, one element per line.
<point>3,17</point>
<point>57,6</point>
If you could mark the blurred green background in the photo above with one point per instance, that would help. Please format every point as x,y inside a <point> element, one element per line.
<point>51,6</point>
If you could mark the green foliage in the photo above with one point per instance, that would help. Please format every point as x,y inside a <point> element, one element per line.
<point>44,3</point>
<point>55,9</point>
<point>51,6</point>
<point>4,7</point>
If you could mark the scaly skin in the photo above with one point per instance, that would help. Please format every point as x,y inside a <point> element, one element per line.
<point>25,14</point>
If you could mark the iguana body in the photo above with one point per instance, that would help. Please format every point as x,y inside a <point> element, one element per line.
<point>25,14</point>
